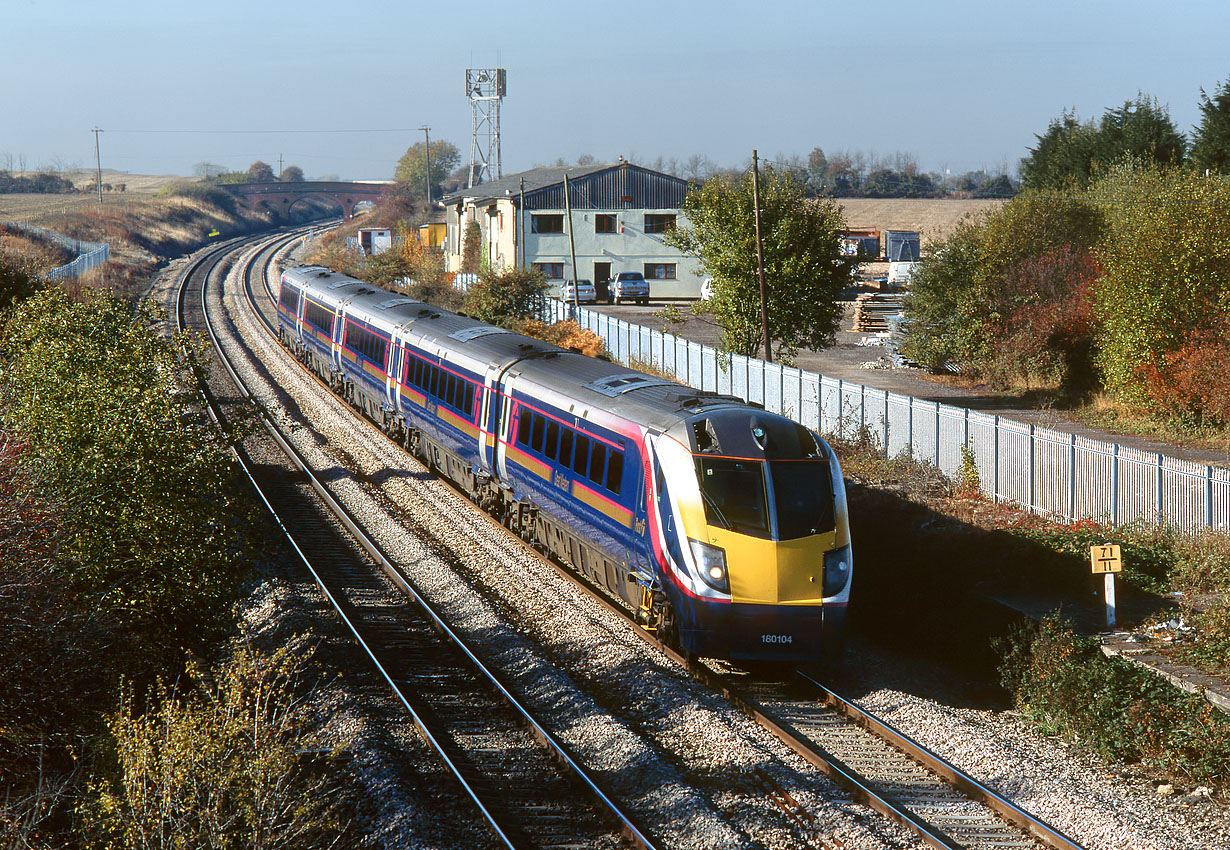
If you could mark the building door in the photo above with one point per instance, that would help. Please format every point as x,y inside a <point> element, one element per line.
<point>602,280</point>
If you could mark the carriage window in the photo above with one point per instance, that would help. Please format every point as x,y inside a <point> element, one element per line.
<point>552,447</point>
<point>540,427</point>
<point>614,471</point>
<point>597,462</point>
<point>565,447</point>
<point>523,428</point>
<point>469,406</point>
<point>580,463</point>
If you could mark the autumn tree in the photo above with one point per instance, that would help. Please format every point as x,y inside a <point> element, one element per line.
<point>412,166</point>
<point>962,307</point>
<point>804,269</point>
<point>231,761</point>
<point>291,174</point>
<point>1165,274</point>
<point>260,172</point>
<point>507,297</point>
<point>153,520</point>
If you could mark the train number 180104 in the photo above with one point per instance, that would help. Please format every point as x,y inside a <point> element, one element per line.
<point>777,639</point>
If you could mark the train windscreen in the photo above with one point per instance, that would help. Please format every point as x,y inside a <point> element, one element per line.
<point>734,495</point>
<point>802,497</point>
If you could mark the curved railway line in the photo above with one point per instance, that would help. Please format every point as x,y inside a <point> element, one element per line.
<point>522,782</point>
<point>877,765</point>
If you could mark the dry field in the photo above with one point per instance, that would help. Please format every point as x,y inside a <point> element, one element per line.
<point>934,218</point>
<point>35,209</point>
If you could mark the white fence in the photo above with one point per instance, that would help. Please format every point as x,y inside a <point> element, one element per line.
<point>90,255</point>
<point>1046,471</point>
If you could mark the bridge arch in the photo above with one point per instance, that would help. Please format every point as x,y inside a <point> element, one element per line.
<point>281,197</point>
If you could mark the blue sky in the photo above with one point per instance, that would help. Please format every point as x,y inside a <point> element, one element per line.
<point>959,85</point>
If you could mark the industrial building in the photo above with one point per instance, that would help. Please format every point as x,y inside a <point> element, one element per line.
<point>619,214</point>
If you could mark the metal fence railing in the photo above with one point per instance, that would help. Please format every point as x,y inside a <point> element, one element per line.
<point>1042,470</point>
<point>90,255</point>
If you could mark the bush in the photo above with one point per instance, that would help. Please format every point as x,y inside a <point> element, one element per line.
<point>507,296</point>
<point>1062,682</point>
<point>231,763</point>
<point>206,192</point>
<point>152,520</point>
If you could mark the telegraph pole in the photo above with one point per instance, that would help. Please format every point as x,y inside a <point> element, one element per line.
<point>521,224</point>
<point>427,169</point>
<point>98,165</point>
<point>572,248</point>
<point>764,314</point>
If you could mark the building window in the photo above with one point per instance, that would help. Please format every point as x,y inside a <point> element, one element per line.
<point>550,271</point>
<point>659,271</point>
<point>659,222</point>
<point>553,223</point>
<point>605,223</point>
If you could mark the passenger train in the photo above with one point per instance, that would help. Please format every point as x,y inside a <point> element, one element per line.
<point>722,526</point>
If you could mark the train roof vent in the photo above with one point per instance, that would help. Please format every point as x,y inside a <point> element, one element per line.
<point>396,302</point>
<point>475,331</point>
<point>699,399</point>
<point>346,281</point>
<point>614,385</point>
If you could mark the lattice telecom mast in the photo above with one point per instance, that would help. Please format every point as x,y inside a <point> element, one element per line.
<point>486,88</point>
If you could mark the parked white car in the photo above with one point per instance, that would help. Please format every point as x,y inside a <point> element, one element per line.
<point>562,289</point>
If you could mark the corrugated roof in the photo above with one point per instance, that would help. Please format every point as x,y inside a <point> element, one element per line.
<point>602,187</point>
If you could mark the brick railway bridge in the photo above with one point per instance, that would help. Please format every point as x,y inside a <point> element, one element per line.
<point>280,197</point>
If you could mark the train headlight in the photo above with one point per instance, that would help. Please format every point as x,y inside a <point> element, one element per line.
<point>837,564</point>
<point>711,561</point>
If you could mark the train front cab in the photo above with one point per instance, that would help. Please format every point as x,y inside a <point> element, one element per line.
<point>755,538</point>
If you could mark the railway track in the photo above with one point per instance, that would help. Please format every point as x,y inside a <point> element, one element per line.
<point>521,781</point>
<point>876,764</point>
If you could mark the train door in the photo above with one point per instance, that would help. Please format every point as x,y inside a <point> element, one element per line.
<point>336,337</point>
<point>391,366</point>
<point>489,418</point>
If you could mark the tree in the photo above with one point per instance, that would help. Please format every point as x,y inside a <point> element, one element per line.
<point>233,762</point>
<point>412,166</point>
<point>804,268</point>
<point>1211,141</point>
<point>291,174</point>
<point>154,520</point>
<point>507,297</point>
<point>260,172</point>
<point>1063,156</point>
<point>208,170</point>
<point>1071,153</point>
<point>1140,130</point>
<point>818,179</point>
<point>471,247</point>
<point>1165,263</point>
<point>956,313</point>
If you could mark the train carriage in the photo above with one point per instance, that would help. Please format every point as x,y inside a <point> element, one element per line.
<point>721,525</point>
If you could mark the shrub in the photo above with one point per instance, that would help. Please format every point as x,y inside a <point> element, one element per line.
<point>504,297</point>
<point>206,192</point>
<point>152,521</point>
<point>230,763</point>
<point>1062,682</point>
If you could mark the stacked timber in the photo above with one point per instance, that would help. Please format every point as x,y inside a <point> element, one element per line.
<point>872,312</point>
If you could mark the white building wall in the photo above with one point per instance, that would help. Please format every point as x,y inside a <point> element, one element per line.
<point>629,248</point>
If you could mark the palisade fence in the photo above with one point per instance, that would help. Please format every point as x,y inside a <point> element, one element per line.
<point>1044,471</point>
<point>90,255</point>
